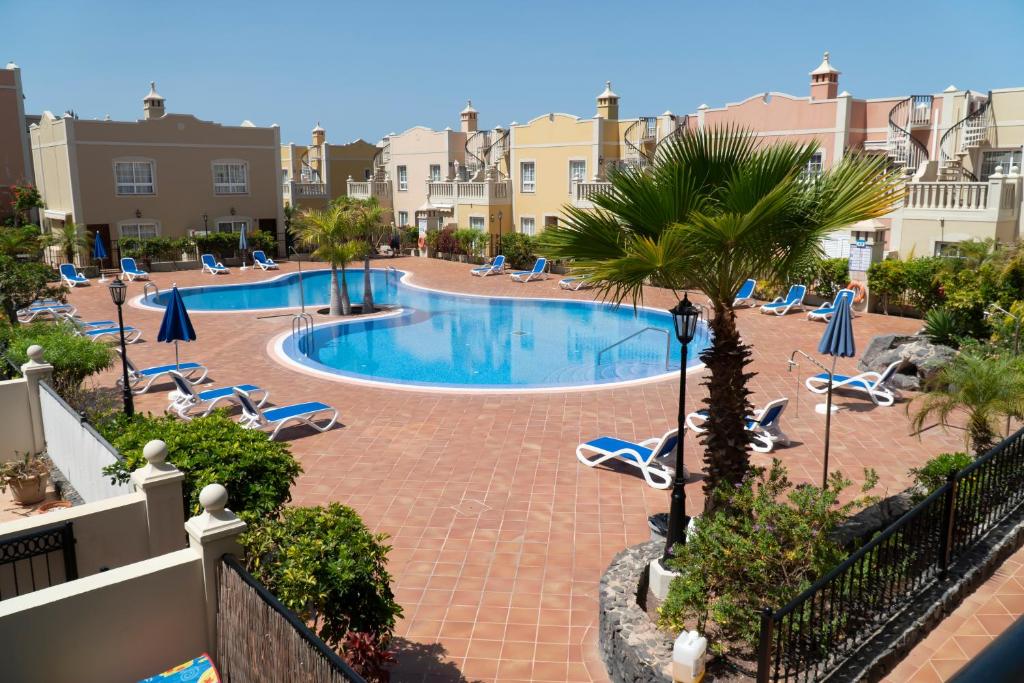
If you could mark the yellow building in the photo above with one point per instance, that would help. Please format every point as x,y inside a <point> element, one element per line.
<point>315,174</point>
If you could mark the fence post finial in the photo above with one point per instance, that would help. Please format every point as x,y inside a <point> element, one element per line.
<point>35,371</point>
<point>160,481</point>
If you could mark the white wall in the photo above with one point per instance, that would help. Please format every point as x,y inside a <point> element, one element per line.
<point>15,420</point>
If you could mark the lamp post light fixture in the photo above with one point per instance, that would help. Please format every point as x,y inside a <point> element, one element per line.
<point>119,292</point>
<point>206,224</point>
<point>685,317</point>
<point>500,216</point>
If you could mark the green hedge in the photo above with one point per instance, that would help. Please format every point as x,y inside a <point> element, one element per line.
<point>225,244</point>
<point>156,248</point>
<point>519,249</point>
<point>73,358</point>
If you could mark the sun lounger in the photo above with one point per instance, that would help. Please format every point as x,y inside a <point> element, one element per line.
<point>253,417</point>
<point>527,275</point>
<point>69,275</point>
<point>794,299</point>
<point>185,399</point>
<point>213,266</point>
<point>495,267</point>
<point>261,260</point>
<point>764,425</point>
<point>745,297</point>
<point>131,271</point>
<point>875,385</point>
<point>149,376</point>
<point>640,455</point>
<point>843,298</point>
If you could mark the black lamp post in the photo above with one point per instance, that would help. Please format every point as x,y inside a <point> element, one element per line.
<point>685,317</point>
<point>119,292</point>
<point>206,224</point>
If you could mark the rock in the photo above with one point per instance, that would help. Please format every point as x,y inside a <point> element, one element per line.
<point>879,345</point>
<point>873,518</point>
<point>920,359</point>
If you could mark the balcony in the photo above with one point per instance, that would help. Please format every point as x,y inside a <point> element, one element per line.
<point>583,192</point>
<point>295,191</point>
<point>484,192</point>
<point>996,200</point>
<point>364,189</point>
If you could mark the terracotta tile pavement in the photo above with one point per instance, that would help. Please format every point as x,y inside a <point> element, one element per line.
<point>499,535</point>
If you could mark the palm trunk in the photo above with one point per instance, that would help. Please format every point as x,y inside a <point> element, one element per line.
<point>726,444</point>
<point>367,286</point>
<point>346,304</point>
<point>335,296</point>
<point>982,437</point>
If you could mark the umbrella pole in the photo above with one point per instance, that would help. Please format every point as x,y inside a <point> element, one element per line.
<point>828,422</point>
<point>177,366</point>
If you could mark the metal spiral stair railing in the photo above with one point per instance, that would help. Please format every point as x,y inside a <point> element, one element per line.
<point>970,131</point>
<point>636,134</point>
<point>682,124</point>
<point>905,150</point>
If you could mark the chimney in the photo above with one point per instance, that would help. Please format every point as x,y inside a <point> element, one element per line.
<point>608,103</point>
<point>152,104</point>
<point>824,81</point>
<point>467,118</point>
<point>319,135</point>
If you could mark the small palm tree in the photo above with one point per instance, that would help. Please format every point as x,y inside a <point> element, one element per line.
<point>984,389</point>
<point>330,233</point>
<point>715,208</point>
<point>19,240</point>
<point>68,239</point>
<point>369,216</point>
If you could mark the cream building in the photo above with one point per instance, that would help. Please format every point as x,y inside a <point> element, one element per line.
<point>166,175</point>
<point>15,154</point>
<point>315,174</point>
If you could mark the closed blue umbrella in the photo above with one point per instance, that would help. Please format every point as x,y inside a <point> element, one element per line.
<point>176,325</point>
<point>836,342</point>
<point>99,251</point>
<point>243,244</point>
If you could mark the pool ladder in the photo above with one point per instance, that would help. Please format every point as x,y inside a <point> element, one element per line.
<point>668,343</point>
<point>302,324</point>
<point>145,290</point>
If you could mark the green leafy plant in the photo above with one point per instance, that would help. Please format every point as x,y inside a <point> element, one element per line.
<point>767,545</point>
<point>335,235</point>
<point>519,249</point>
<point>934,472</point>
<point>20,240</point>
<point>21,283</point>
<point>327,567</point>
<point>257,472</point>
<point>73,358</point>
<point>943,326</point>
<point>24,199</point>
<point>68,239</point>
<point>225,244</point>
<point>471,242</point>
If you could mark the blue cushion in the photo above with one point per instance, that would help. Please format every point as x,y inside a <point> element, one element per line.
<point>160,369</point>
<point>284,412</point>
<point>107,330</point>
<point>98,323</point>
<point>861,384</point>
<point>211,394</point>
<point>611,444</point>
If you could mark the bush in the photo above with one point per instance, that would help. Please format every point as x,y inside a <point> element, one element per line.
<point>470,241</point>
<point>410,237</point>
<point>762,547</point>
<point>933,473</point>
<point>327,567</point>
<point>831,275</point>
<point>156,248</point>
<point>225,244</point>
<point>257,472</point>
<point>944,327</point>
<point>22,283</point>
<point>73,358</point>
<point>519,249</point>
<point>446,241</point>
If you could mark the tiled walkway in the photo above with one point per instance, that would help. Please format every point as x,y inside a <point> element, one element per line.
<point>499,535</point>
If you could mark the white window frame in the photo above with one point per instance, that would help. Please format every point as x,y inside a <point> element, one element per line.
<point>533,225</point>
<point>403,219</point>
<point>1015,160</point>
<point>135,223</point>
<point>481,225</point>
<point>231,187</point>
<point>524,186</point>
<point>402,173</point>
<point>582,178</point>
<point>434,178</point>
<point>140,188</point>
<point>816,165</point>
<point>234,222</point>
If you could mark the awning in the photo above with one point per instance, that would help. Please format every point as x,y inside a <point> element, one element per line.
<point>56,214</point>
<point>870,225</point>
<point>427,207</point>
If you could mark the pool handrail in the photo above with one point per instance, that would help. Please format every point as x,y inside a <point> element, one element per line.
<point>668,343</point>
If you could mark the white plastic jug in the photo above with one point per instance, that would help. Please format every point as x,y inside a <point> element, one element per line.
<point>688,655</point>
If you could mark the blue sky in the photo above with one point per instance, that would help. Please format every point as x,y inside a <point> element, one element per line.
<point>364,69</point>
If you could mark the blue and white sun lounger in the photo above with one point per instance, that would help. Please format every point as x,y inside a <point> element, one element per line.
<point>100,333</point>
<point>185,398</point>
<point>261,260</point>
<point>213,266</point>
<point>151,375</point>
<point>843,298</point>
<point>764,425</point>
<point>575,283</point>
<point>745,297</point>
<point>71,276</point>
<point>495,267</point>
<point>39,309</point>
<point>527,275</point>
<point>875,385</point>
<point>131,271</point>
<point>794,298</point>
<point>303,413</point>
<point>641,455</point>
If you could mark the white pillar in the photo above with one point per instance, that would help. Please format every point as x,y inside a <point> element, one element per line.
<point>161,483</point>
<point>34,371</point>
<point>213,534</point>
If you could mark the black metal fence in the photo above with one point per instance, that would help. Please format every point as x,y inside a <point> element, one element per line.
<point>259,639</point>
<point>37,559</point>
<point>817,631</point>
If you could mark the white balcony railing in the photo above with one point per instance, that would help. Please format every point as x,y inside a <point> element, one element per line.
<point>584,192</point>
<point>364,189</point>
<point>308,190</point>
<point>998,199</point>
<point>957,196</point>
<point>485,192</point>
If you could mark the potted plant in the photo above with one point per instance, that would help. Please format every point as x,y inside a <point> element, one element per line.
<point>27,478</point>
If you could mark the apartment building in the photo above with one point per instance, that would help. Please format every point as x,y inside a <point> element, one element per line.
<point>15,155</point>
<point>316,173</point>
<point>166,175</point>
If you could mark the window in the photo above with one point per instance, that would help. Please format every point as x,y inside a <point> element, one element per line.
<point>527,226</point>
<point>948,249</point>
<point>367,174</point>
<point>403,218</point>
<point>233,226</point>
<point>476,223</point>
<point>528,172</point>
<point>577,172</point>
<point>230,178</point>
<point>140,231</point>
<point>550,222</point>
<point>403,178</point>
<point>134,177</point>
<point>1004,158</point>
<point>435,173</point>
<point>814,165</point>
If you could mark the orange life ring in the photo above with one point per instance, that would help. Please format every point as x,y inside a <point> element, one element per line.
<point>422,242</point>
<point>860,290</point>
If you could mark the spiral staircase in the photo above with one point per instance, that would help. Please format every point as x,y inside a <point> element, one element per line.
<point>906,152</point>
<point>963,137</point>
<point>486,149</point>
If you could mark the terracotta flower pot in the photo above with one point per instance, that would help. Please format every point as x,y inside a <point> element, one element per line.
<point>30,490</point>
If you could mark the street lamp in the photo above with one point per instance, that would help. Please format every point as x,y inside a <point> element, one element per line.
<point>119,292</point>
<point>500,216</point>
<point>685,317</point>
<point>206,224</point>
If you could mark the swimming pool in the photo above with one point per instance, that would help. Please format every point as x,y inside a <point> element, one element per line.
<point>455,341</point>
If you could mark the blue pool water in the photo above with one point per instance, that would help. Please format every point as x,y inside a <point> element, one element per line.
<point>450,340</point>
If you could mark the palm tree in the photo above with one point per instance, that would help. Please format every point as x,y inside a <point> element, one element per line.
<point>715,208</point>
<point>985,389</point>
<point>67,239</point>
<point>369,218</point>
<point>19,240</point>
<point>329,232</point>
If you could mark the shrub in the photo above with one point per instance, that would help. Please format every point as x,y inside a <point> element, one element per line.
<point>765,545</point>
<point>73,358</point>
<point>887,279</point>
<point>257,472</point>
<point>933,473</point>
<point>943,326</point>
<point>410,237</point>
<point>21,283</point>
<point>225,244</point>
<point>471,241</point>
<point>831,275</point>
<point>519,249</point>
<point>446,241</point>
<point>327,567</point>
